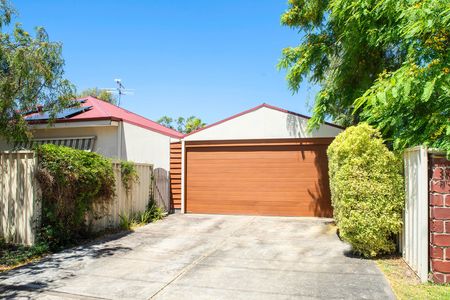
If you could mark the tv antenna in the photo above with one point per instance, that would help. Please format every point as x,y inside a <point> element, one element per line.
<point>119,90</point>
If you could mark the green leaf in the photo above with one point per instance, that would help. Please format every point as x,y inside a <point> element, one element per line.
<point>375,61</point>
<point>428,90</point>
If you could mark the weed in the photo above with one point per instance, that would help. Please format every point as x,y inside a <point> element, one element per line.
<point>12,255</point>
<point>151,214</point>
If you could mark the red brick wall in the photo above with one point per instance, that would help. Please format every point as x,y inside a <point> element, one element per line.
<point>439,200</point>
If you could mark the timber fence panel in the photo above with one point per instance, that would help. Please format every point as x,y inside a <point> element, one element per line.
<point>19,207</point>
<point>415,222</point>
<point>161,188</point>
<point>107,214</point>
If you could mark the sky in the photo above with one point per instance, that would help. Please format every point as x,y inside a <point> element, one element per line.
<point>211,59</point>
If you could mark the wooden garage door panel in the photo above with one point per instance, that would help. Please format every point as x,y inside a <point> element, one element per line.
<point>259,209</point>
<point>249,196</point>
<point>276,168</point>
<point>263,180</point>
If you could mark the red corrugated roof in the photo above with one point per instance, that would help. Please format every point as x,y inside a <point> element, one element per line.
<point>102,110</point>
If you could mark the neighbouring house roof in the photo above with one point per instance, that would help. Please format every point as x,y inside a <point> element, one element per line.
<point>254,109</point>
<point>93,109</point>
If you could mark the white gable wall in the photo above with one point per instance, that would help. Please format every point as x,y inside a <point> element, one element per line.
<point>263,123</point>
<point>105,142</point>
<point>145,146</point>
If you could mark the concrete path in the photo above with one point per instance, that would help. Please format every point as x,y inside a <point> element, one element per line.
<point>206,257</point>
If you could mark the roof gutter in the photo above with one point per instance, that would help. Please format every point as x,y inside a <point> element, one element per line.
<point>62,121</point>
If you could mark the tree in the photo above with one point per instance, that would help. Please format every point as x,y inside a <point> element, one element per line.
<point>99,94</point>
<point>193,123</point>
<point>385,62</point>
<point>166,121</point>
<point>181,124</point>
<point>31,74</point>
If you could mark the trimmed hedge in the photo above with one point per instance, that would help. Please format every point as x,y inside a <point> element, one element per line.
<point>367,190</point>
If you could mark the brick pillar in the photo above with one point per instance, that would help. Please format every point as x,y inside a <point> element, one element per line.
<point>439,201</point>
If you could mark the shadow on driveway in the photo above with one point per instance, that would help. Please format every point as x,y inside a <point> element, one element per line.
<point>206,257</point>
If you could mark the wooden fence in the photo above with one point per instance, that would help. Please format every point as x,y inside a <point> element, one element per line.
<point>125,202</point>
<point>19,210</point>
<point>161,188</point>
<point>20,206</point>
<point>414,244</point>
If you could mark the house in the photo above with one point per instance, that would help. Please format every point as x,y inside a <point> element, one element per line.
<point>262,161</point>
<point>106,129</point>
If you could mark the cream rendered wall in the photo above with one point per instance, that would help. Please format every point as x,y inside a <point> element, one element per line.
<point>146,146</point>
<point>263,123</point>
<point>125,141</point>
<point>106,142</point>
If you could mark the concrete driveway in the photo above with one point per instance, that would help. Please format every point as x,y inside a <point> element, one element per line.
<point>206,257</point>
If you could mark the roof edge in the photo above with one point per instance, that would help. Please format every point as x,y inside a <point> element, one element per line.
<point>180,136</point>
<point>299,115</point>
<point>226,119</point>
<point>254,109</point>
<point>111,119</point>
<point>73,120</point>
<point>173,134</point>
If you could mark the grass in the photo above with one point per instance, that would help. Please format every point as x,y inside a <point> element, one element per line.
<point>406,284</point>
<point>13,256</point>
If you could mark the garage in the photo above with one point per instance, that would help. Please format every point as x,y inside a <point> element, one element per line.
<point>279,178</point>
<point>259,162</point>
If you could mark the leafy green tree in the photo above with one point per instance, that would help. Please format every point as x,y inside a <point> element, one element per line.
<point>31,74</point>
<point>181,124</point>
<point>385,62</point>
<point>99,94</point>
<point>193,123</point>
<point>166,121</point>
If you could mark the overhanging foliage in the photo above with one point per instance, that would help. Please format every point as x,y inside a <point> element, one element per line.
<point>31,74</point>
<point>385,62</point>
<point>71,181</point>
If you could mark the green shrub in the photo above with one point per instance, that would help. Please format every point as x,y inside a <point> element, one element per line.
<point>151,214</point>
<point>127,221</point>
<point>367,190</point>
<point>129,174</point>
<point>13,255</point>
<point>71,181</point>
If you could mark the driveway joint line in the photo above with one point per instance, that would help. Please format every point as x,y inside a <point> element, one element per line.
<point>120,278</point>
<point>211,257</point>
<point>75,296</point>
<point>256,291</point>
<point>201,258</point>
<point>291,271</point>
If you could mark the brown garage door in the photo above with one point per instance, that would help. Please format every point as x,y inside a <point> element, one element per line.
<point>280,177</point>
